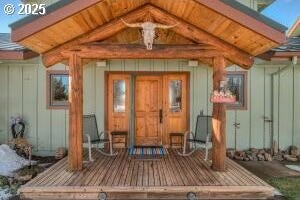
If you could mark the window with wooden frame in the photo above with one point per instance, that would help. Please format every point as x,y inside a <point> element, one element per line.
<point>57,89</point>
<point>237,84</point>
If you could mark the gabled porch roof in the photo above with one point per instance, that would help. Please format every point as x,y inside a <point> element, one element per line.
<point>227,25</point>
<point>221,31</point>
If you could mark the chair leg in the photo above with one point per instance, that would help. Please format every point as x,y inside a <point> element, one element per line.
<point>206,152</point>
<point>184,149</point>
<point>90,148</point>
<point>184,146</point>
<point>111,153</point>
<point>110,144</point>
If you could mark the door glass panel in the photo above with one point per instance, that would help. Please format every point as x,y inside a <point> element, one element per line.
<point>119,95</point>
<point>175,95</point>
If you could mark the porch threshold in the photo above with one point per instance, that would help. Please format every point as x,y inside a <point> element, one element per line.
<point>171,177</point>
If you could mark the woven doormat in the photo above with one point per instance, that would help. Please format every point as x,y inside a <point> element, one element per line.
<point>148,152</point>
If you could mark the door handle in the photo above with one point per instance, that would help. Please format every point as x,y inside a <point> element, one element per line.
<point>160,115</point>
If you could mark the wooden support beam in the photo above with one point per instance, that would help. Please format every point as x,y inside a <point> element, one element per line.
<point>219,118</point>
<point>75,155</point>
<point>107,30</point>
<point>133,51</point>
<point>198,35</point>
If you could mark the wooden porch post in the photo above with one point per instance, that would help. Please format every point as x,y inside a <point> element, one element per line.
<point>75,156</point>
<point>219,118</point>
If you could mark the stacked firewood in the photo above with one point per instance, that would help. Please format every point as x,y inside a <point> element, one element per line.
<point>291,154</point>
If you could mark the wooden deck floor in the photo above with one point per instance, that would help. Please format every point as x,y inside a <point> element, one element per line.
<point>125,177</point>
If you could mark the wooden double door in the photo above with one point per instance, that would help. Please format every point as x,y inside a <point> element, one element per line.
<point>148,106</point>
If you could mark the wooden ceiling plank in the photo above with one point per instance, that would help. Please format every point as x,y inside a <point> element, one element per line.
<point>106,10</point>
<point>245,20</point>
<point>203,16</point>
<point>199,13</point>
<point>216,24</point>
<point>191,32</point>
<point>43,22</point>
<point>105,31</point>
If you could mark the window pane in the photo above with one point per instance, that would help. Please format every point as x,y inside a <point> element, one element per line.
<point>235,83</point>
<point>119,95</point>
<point>175,95</point>
<point>59,89</point>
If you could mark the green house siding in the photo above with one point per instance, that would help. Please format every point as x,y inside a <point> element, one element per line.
<point>23,91</point>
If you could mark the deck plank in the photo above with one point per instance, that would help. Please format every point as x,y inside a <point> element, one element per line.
<point>176,173</point>
<point>129,173</point>
<point>135,171</point>
<point>89,171</point>
<point>115,177</point>
<point>150,173</point>
<point>171,176</point>
<point>48,173</point>
<point>157,181</point>
<point>79,177</point>
<point>109,177</point>
<point>140,173</point>
<point>99,171</point>
<point>105,173</point>
<point>161,173</point>
<point>121,168</point>
<point>167,171</point>
<point>201,171</point>
<point>145,174</point>
<point>123,177</point>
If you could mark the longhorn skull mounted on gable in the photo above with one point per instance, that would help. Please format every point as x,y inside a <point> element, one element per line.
<point>148,31</point>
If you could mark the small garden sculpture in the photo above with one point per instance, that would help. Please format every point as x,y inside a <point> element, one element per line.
<point>19,143</point>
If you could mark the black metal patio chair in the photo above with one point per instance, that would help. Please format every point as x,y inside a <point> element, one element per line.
<point>201,138</point>
<point>91,136</point>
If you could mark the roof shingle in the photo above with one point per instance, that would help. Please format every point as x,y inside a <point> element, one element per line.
<point>7,44</point>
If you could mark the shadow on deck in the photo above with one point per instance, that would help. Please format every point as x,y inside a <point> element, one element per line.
<point>124,177</point>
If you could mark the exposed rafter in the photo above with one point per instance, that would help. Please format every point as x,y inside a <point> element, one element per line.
<point>191,32</point>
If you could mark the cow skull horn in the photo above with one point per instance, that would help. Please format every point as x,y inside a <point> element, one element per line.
<point>148,31</point>
<point>135,25</point>
<point>163,26</point>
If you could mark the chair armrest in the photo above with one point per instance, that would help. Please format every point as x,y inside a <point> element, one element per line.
<point>103,132</point>
<point>88,138</point>
<point>208,138</point>
<point>187,133</point>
